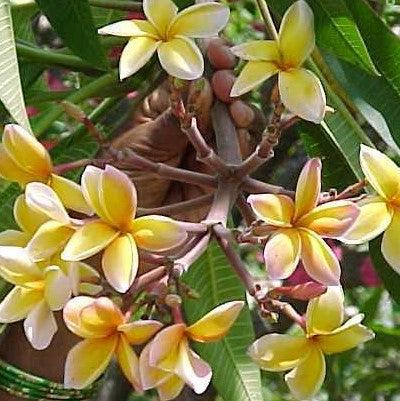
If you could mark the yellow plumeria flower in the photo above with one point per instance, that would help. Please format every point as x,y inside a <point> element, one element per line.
<point>300,90</point>
<point>107,332</point>
<point>304,355</point>
<point>298,227</point>
<point>39,290</point>
<point>167,362</point>
<point>168,33</point>
<point>112,196</point>
<point>380,212</point>
<point>24,159</point>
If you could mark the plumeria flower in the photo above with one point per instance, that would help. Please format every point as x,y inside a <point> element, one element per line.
<point>379,212</point>
<point>168,362</point>
<point>304,355</point>
<point>169,33</point>
<point>300,90</point>
<point>24,159</point>
<point>107,333</point>
<point>39,290</point>
<point>297,228</point>
<point>113,197</point>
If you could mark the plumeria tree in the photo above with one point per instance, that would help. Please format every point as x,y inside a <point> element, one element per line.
<point>188,191</point>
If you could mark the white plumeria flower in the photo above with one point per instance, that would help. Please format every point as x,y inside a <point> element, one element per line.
<point>170,34</point>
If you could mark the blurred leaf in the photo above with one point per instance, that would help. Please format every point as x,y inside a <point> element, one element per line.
<point>73,22</point>
<point>235,376</point>
<point>104,16</point>
<point>10,85</point>
<point>387,335</point>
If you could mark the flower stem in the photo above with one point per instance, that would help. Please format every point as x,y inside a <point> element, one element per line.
<point>117,5</point>
<point>266,15</point>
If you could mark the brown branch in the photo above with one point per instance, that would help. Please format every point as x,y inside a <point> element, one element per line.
<point>245,209</point>
<point>258,187</point>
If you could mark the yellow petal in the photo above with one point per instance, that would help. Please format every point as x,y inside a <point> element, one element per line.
<point>158,233</point>
<point>302,94</point>
<point>18,303</point>
<point>137,52</point>
<point>257,50</point>
<point>57,290</point>
<point>42,198</point>
<point>216,323</point>
<point>332,219</point>
<point>40,326</point>
<point>171,388</point>
<point>278,352</point>
<point>14,238</point>
<point>160,13</point>
<point>181,58</point>
<point>118,197</point>
<point>120,262</point>
<point>390,243</point>
<point>253,74</point>
<point>26,151</point>
<point>87,361</point>
<point>296,34</point>
<point>318,259</point>
<point>88,240</point>
<point>29,219</point>
<point>70,194</point>
<point>325,313</point>
<point>48,240</point>
<point>306,379</point>
<point>140,331</point>
<point>308,188</point>
<point>282,253</point>
<point>129,363</point>
<point>200,21</point>
<point>375,216</point>
<point>381,172</point>
<point>129,28</point>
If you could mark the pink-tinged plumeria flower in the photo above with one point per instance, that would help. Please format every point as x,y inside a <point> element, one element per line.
<point>170,34</point>
<point>380,212</point>
<point>298,228</point>
<point>168,362</point>
<point>300,90</point>
<point>112,196</point>
<point>304,355</point>
<point>24,159</point>
<point>107,333</point>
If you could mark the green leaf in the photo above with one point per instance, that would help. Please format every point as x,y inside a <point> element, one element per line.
<point>104,16</point>
<point>389,336</point>
<point>73,22</point>
<point>390,278</point>
<point>235,376</point>
<point>10,85</point>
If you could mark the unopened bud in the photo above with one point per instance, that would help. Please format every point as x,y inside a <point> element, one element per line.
<point>73,111</point>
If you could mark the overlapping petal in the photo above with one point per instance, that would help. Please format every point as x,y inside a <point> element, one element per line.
<point>14,238</point>
<point>140,331</point>
<point>57,290</point>
<point>390,242</point>
<point>257,50</point>
<point>130,28</point>
<point>18,303</point>
<point>170,388</point>
<point>27,218</point>
<point>160,13</point>
<point>129,363</point>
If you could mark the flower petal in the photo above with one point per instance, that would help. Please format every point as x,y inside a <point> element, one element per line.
<point>70,194</point>
<point>390,243</point>
<point>129,363</point>
<point>296,34</point>
<point>88,240</point>
<point>276,210</point>
<point>129,28</point>
<point>375,216</point>
<point>318,259</point>
<point>87,361</point>
<point>170,388</point>
<point>278,352</point>
<point>160,13</point>
<point>308,188</point>
<point>140,331</point>
<point>29,219</point>
<point>253,74</point>
<point>302,94</point>
<point>257,50</point>
<point>332,219</point>
<point>181,58</point>
<point>325,313</point>
<point>40,326</point>
<point>14,238</point>
<point>306,379</point>
<point>120,262</point>
<point>158,233</point>
<point>57,290</point>
<point>137,52</point>
<point>200,21</point>
<point>216,323</point>
<point>380,171</point>
<point>282,253</point>
<point>18,304</point>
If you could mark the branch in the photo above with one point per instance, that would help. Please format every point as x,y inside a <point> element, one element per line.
<point>117,5</point>
<point>266,15</point>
